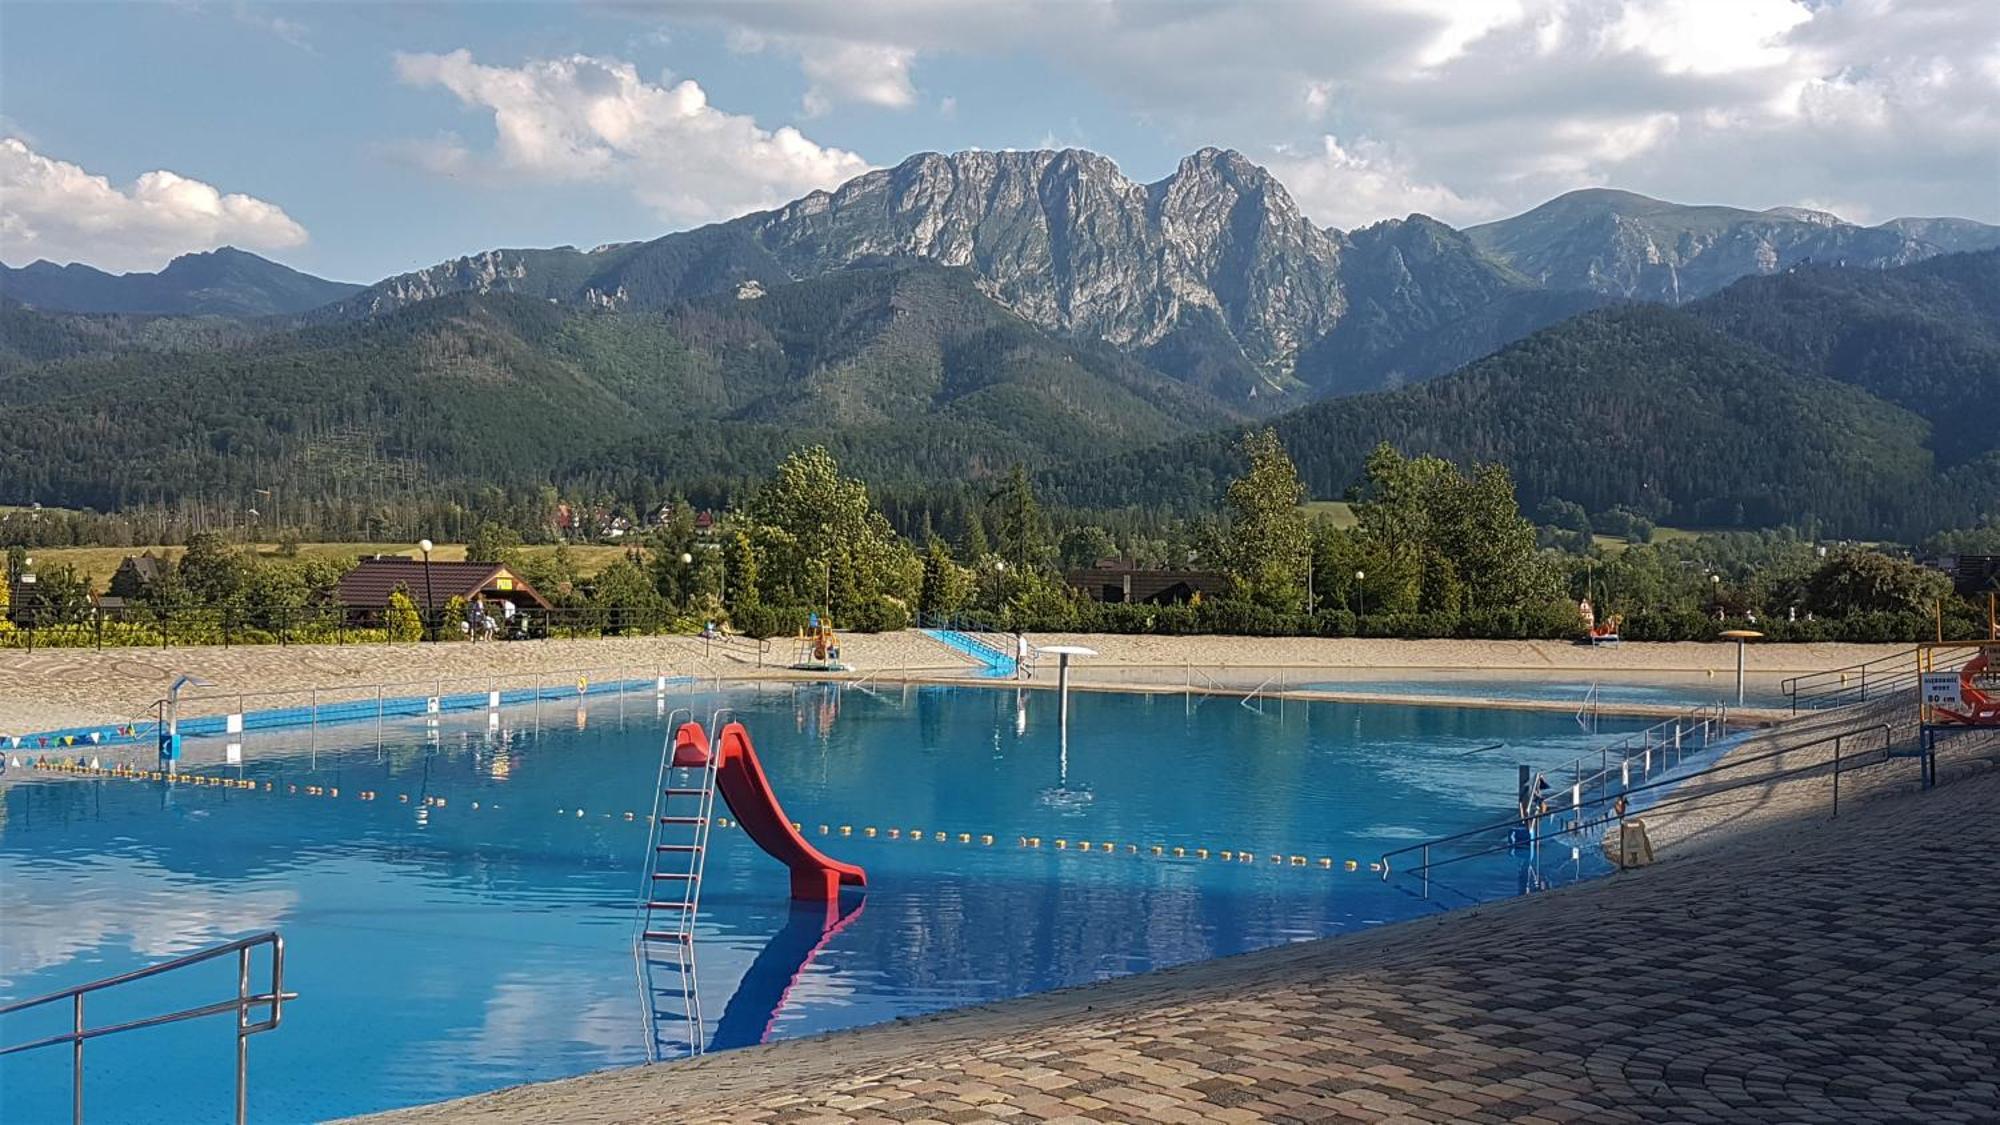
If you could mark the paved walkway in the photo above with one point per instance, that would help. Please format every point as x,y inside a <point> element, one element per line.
<point>1776,966</point>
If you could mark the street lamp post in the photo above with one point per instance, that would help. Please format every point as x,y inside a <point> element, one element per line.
<point>430,604</point>
<point>1360,598</point>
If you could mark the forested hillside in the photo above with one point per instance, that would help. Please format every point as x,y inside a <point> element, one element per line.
<point>909,371</point>
<point>1925,337</point>
<point>1861,399</point>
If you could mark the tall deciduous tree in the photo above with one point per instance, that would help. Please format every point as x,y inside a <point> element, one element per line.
<point>495,542</point>
<point>1269,546</point>
<point>1447,543</point>
<point>820,542</point>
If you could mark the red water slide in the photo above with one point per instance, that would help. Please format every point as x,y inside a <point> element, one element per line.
<point>739,775</point>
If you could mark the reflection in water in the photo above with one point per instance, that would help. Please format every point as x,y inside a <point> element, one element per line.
<point>482,890</point>
<point>752,1012</point>
<point>670,998</point>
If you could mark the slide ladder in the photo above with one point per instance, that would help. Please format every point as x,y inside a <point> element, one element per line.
<point>676,854</point>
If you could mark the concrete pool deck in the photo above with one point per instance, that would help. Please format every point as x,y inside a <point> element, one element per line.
<point>50,689</point>
<point>1775,965</point>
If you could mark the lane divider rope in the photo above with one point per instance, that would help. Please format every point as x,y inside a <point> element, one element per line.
<point>1063,844</point>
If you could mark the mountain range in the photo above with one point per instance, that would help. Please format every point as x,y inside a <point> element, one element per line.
<point>954,314</point>
<point>225,282</point>
<point>1860,399</point>
<point>1210,275</point>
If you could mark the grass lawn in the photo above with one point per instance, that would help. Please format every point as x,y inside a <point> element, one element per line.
<point>1341,511</point>
<point>1660,535</point>
<point>98,563</point>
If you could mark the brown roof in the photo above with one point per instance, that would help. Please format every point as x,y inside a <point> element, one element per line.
<point>370,583</point>
<point>1146,584</point>
<point>146,566</point>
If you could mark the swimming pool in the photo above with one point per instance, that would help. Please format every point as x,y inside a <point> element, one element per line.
<point>1568,689</point>
<point>478,933</point>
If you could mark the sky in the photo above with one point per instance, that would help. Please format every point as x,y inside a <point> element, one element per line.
<point>359,140</point>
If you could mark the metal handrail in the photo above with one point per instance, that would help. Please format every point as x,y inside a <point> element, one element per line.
<point>1511,823</point>
<point>1641,743</point>
<point>1791,684</point>
<point>1869,679</point>
<point>1580,826</point>
<point>542,682</point>
<point>1257,693</point>
<point>80,1033</point>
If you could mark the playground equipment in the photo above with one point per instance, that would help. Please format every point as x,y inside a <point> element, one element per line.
<point>692,771</point>
<point>818,648</point>
<point>1597,632</point>
<point>739,777</point>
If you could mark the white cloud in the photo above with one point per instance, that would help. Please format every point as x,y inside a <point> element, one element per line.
<point>56,210</point>
<point>289,30</point>
<point>1349,186</point>
<point>840,70</point>
<point>868,73</point>
<point>1894,104</point>
<point>581,118</point>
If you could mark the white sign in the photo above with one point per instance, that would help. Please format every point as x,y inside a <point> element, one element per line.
<point>233,754</point>
<point>1942,689</point>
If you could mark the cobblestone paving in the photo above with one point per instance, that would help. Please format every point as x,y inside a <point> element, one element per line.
<point>1776,966</point>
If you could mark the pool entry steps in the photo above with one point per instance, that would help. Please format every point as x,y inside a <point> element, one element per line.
<point>996,661</point>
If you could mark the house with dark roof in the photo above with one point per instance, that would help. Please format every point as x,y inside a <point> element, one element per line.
<point>367,587</point>
<point>1970,574</point>
<point>137,574</point>
<point>133,580</point>
<point>1125,582</point>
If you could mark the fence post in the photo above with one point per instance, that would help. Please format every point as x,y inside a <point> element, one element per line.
<point>1836,775</point>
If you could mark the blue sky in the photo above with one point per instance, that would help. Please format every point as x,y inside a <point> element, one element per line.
<point>355,140</point>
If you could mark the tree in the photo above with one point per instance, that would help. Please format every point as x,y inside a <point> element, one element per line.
<point>61,596</point>
<point>1020,531</point>
<point>1446,543</point>
<point>1869,582</point>
<point>211,570</point>
<point>625,588</point>
<point>1085,545</point>
<point>1268,544</point>
<point>946,585</point>
<point>495,542</point>
<point>402,620</point>
<point>554,575</point>
<point>814,529</point>
<point>739,571</point>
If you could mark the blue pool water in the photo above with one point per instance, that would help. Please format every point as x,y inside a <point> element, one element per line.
<point>441,951</point>
<point>1652,688</point>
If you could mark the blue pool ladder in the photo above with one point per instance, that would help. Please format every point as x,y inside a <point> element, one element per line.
<point>676,854</point>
